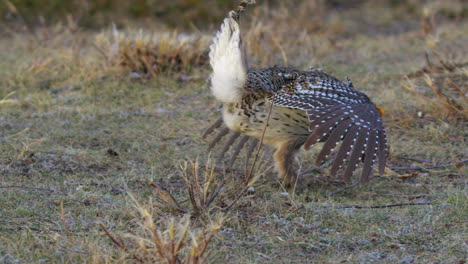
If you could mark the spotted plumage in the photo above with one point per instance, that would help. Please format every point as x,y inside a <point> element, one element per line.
<point>306,107</point>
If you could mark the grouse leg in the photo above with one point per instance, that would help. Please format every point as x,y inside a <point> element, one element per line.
<point>284,160</point>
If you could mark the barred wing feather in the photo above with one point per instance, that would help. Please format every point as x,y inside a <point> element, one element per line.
<point>338,113</point>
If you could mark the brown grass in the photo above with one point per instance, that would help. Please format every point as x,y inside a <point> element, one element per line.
<point>150,56</point>
<point>177,243</point>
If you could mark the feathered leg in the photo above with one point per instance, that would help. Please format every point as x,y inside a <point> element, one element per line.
<point>284,160</point>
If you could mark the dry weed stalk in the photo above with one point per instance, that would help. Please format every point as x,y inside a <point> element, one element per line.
<point>448,97</point>
<point>441,66</point>
<point>446,80</point>
<point>452,104</point>
<point>443,74</point>
<point>177,243</point>
<point>202,188</point>
<point>151,55</point>
<point>273,40</point>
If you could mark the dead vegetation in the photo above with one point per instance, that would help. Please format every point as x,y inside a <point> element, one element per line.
<point>442,82</point>
<point>144,55</point>
<point>179,242</point>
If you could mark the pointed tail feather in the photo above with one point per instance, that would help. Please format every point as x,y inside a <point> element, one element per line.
<point>228,63</point>
<point>218,137</point>
<point>213,126</point>
<point>240,145</point>
<point>228,145</point>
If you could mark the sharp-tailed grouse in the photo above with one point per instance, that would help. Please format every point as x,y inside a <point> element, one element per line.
<point>300,107</point>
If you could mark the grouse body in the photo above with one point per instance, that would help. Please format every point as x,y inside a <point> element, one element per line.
<point>290,108</point>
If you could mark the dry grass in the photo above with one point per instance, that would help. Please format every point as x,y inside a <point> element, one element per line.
<point>177,243</point>
<point>150,56</point>
<point>81,138</point>
<point>442,82</point>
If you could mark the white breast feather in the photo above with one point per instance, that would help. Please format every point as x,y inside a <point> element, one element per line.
<point>229,72</point>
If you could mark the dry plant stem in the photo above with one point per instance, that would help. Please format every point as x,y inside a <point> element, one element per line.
<point>430,167</point>
<point>168,198</point>
<point>112,238</point>
<point>19,228</point>
<point>182,236</point>
<point>413,159</point>
<point>192,189</point>
<point>281,49</point>
<point>64,222</point>
<point>414,92</point>
<point>158,242</point>
<point>431,67</point>
<point>410,197</point>
<point>216,193</point>
<point>119,243</point>
<point>384,206</point>
<point>249,175</point>
<point>457,88</point>
<point>343,189</point>
<point>202,192</point>
<point>206,242</point>
<point>26,188</point>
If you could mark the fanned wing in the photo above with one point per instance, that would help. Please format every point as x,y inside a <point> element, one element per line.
<point>360,127</point>
<point>337,113</point>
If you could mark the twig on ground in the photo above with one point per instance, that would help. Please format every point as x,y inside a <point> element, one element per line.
<point>453,175</point>
<point>112,238</point>
<point>19,228</point>
<point>410,196</point>
<point>384,205</point>
<point>343,189</point>
<point>202,190</point>
<point>432,68</point>
<point>120,244</point>
<point>168,198</point>
<point>442,166</point>
<point>26,188</point>
<point>413,159</point>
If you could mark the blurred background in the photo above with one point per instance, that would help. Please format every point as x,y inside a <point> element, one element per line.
<point>187,13</point>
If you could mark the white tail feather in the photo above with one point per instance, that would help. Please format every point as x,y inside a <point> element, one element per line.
<point>226,59</point>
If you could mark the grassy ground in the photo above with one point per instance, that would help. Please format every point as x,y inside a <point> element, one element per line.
<point>84,129</point>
